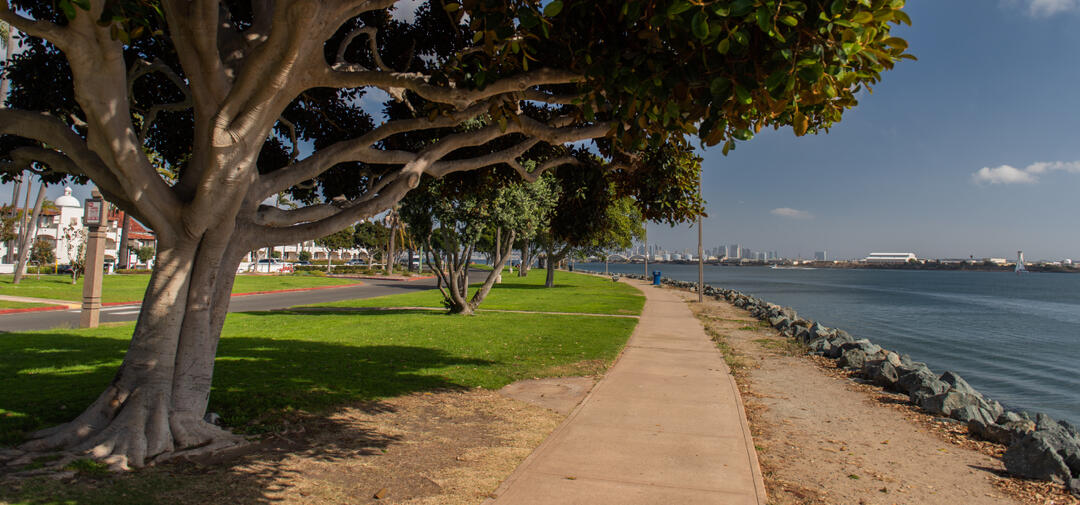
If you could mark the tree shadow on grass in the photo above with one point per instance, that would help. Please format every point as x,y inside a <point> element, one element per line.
<point>47,379</point>
<point>300,399</point>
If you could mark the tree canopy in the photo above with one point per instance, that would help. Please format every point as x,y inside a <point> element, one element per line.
<point>193,115</point>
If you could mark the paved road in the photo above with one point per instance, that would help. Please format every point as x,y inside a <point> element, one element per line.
<point>29,321</point>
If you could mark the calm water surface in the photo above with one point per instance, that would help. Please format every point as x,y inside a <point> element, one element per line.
<point>1014,338</point>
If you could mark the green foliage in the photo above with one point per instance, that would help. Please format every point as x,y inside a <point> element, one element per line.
<point>304,256</point>
<point>7,223</point>
<point>42,252</point>
<point>337,241</point>
<point>718,70</point>
<point>371,235</point>
<point>145,253</point>
<point>275,254</point>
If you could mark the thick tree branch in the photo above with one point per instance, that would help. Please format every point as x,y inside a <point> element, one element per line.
<point>269,215</point>
<point>265,236</point>
<point>341,76</point>
<point>53,132</point>
<point>350,150</point>
<point>42,29</point>
<point>143,67</point>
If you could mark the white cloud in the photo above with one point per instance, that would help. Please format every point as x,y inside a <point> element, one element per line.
<point>791,213</point>
<point>1043,8</point>
<point>1006,174</point>
<point>1003,175</point>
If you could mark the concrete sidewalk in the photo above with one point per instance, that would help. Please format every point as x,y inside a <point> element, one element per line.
<point>664,426</point>
<point>44,301</point>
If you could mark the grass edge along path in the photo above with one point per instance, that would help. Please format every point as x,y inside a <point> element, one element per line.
<point>274,365</point>
<point>123,288</point>
<point>572,293</point>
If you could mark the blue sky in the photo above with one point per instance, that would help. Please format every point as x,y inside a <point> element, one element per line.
<point>972,150</point>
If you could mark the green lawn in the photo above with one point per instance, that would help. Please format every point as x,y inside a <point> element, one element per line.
<point>571,293</point>
<point>4,304</point>
<point>270,363</point>
<point>130,287</point>
<point>278,367</point>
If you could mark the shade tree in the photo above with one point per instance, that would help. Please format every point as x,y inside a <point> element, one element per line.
<point>450,215</point>
<point>245,99</point>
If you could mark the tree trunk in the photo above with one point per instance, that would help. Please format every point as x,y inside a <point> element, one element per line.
<point>153,409</point>
<point>498,255</point>
<point>549,263</point>
<point>553,259</point>
<point>16,190</point>
<point>523,267</point>
<point>27,238</point>
<point>4,85</point>
<point>494,275</point>
<point>123,259</point>
<point>390,244</point>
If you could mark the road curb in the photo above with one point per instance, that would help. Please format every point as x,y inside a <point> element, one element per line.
<point>32,309</point>
<point>118,304</point>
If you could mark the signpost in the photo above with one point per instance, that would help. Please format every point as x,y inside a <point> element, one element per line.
<point>96,219</point>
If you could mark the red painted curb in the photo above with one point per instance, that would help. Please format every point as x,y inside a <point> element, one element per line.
<point>32,309</point>
<point>298,289</point>
<point>116,304</point>
<point>378,278</point>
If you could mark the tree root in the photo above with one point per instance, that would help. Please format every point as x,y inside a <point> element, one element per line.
<point>124,432</point>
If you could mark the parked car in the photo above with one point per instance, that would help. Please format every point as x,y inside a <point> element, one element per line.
<point>356,262</point>
<point>273,266</point>
<point>302,263</point>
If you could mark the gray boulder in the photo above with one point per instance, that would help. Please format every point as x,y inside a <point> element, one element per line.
<point>1034,457</point>
<point>949,401</point>
<point>972,413</point>
<point>1004,434</point>
<point>894,359</point>
<point>921,381</point>
<point>862,344</point>
<point>853,359</point>
<point>1010,416</point>
<point>958,383</point>
<point>882,373</point>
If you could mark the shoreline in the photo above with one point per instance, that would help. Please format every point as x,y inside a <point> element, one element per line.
<point>1036,446</point>
<point>928,267</point>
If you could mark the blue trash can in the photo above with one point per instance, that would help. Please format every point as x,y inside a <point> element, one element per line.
<point>656,277</point>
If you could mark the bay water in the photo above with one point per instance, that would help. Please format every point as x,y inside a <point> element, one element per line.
<point>1015,338</point>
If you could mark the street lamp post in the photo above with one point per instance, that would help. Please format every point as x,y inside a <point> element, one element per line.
<point>95,218</point>
<point>700,258</point>
<point>646,251</point>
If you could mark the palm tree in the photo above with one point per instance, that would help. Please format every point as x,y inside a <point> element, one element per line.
<point>7,46</point>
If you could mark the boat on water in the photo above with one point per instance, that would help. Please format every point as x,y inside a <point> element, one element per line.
<point>778,267</point>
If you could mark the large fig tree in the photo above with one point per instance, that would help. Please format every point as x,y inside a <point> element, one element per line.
<point>242,100</point>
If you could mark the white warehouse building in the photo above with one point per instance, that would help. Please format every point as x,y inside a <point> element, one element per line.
<point>891,257</point>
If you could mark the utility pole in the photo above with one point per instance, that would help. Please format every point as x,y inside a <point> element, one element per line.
<point>646,250</point>
<point>700,256</point>
<point>94,217</point>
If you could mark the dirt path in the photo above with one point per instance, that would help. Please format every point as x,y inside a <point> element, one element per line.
<point>823,439</point>
<point>441,448</point>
